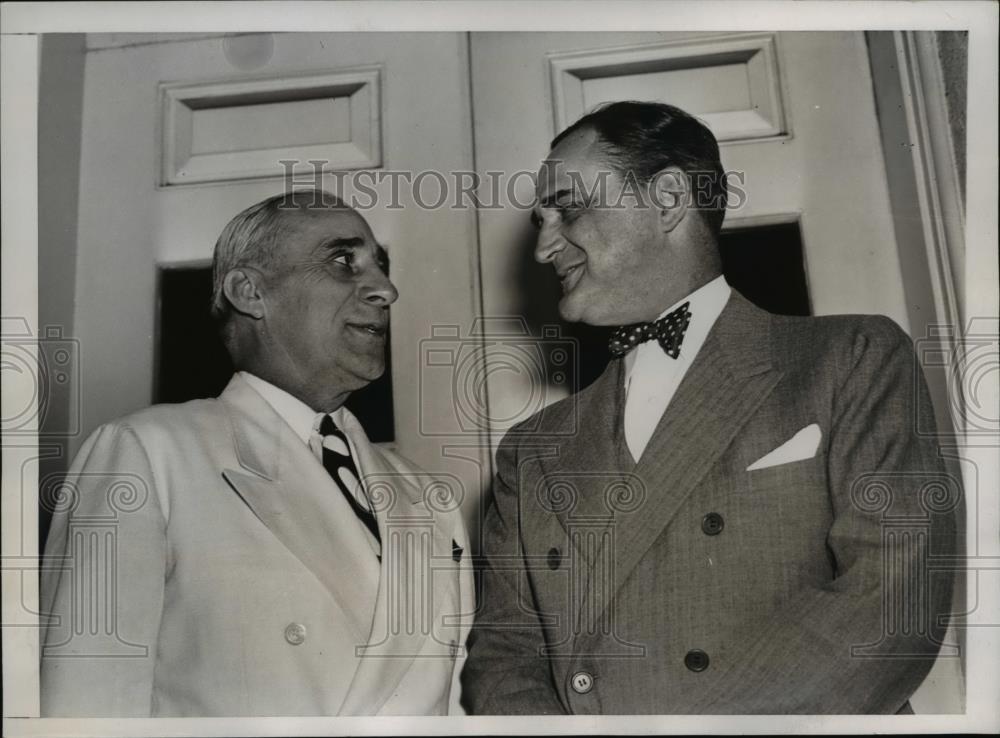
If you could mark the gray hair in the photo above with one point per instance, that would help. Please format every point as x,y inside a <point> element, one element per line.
<point>252,238</point>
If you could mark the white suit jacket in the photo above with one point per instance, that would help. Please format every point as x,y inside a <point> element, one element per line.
<point>201,562</point>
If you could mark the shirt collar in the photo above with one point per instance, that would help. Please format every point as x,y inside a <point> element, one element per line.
<point>299,416</point>
<point>707,303</point>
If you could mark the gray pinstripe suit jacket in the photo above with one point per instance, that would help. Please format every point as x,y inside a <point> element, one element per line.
<point>815,595</point>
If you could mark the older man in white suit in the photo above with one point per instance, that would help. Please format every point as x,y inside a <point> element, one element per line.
<point>263,557</point>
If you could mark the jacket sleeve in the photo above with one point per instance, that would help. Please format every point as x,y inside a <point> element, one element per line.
<point>864,641</point>
<point>103,583</point>
<point>506,672</point>
<point>467,599</point>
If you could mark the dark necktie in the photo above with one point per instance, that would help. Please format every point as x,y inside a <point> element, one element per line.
<point>668,332</point>
<point>338,462</point>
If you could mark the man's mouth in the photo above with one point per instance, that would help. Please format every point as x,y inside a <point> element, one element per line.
<point>370,329</point>
<point>570,276</point>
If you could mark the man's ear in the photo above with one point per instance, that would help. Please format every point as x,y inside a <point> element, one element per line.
<point>242,287</point>
<point>670,190</point>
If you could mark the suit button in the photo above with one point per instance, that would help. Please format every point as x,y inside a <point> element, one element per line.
<point>295,633</point>
<point>582,682</point>
<point>712,524</point>
<point>555,558</point>
<point>696,660</point>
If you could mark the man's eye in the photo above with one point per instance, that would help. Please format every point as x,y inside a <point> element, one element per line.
<point>564,213</point>
<point>345,259</point>
<point>568,212</point>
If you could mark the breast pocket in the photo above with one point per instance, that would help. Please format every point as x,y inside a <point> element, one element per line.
<point>793,476</point>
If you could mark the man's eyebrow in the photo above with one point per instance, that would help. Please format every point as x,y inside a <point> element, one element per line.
<point>344,242</point>
<point>550,200</point>
<point>356,242</point>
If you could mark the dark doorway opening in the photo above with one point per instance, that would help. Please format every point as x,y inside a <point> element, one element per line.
<point>765,264</point>
<point>192,363</point>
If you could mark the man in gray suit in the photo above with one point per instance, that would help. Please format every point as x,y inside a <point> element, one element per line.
<point>737,515</point>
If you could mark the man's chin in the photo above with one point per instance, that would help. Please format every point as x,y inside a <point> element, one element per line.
<point>370,373</point>
<point>571,310</point>
<point>362,371</point>
<point>574,309</point>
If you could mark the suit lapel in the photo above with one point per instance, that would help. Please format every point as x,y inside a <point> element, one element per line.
<point>410,594</point>
<point>291,493</point>
<point>728,380</point>
<point>578,477</point>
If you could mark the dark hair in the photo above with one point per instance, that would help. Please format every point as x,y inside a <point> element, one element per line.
<point>643,138</point>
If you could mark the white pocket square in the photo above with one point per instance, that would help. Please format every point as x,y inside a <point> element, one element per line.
<point>802,445</point>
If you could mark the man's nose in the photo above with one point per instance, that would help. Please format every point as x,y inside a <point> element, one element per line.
<point>550,242</point>
<point>378,290</point>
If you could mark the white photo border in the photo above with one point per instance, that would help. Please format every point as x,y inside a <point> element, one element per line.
<point>20,25</point>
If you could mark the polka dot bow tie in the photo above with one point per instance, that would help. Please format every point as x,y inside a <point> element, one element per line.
<point>668,331</point>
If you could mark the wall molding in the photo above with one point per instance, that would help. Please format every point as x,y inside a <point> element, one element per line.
<point>102,41</point>
<point>738,223</point>
<point>744,62</point>
<point>928,213</point>
<point>936,171</point>
<point>233,130</point>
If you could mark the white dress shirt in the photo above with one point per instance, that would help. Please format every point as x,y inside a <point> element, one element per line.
<point>303,420</point>
<point>299,416</point>
<point>652,377</point>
